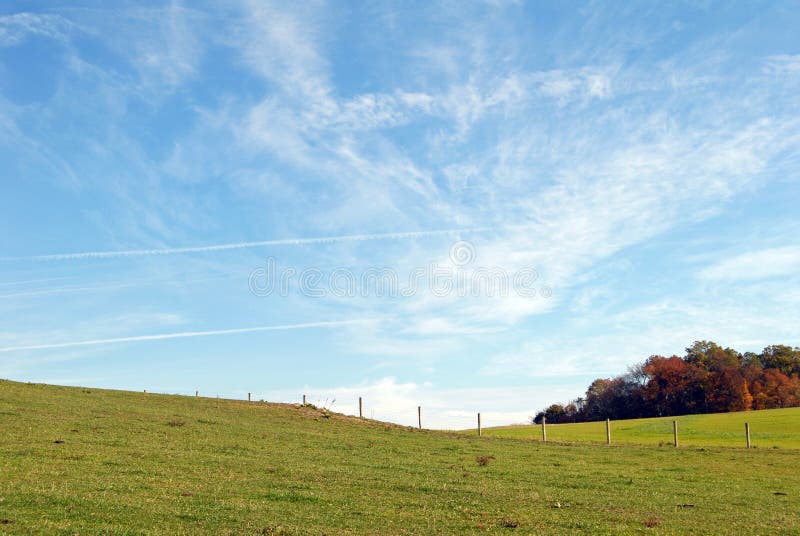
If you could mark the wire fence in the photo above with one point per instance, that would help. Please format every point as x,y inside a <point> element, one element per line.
<point>431,416</point>
<point>677,431</point>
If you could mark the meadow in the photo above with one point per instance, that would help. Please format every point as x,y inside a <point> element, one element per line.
<point>89,461</point>
<point>771,428</point>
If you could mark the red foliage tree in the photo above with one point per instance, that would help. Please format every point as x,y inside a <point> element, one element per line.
<point>708,378</point>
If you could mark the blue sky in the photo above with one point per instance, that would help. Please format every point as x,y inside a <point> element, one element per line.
<point>644,160</point>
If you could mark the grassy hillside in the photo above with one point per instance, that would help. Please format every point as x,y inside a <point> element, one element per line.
<point>90,461</point>
<point>773,428</point>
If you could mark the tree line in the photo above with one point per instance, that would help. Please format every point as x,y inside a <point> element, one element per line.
<point>708,379</point>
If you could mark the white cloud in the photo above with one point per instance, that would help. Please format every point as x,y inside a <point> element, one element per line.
<point>444,326</point>
<point>281,45</point>
<point>754,265</point>
<point>445,408</point>
<point>172,52</point>
<point>783,64</point>
<point>604,343</point>
<point>586,298</point>
<point>16,28</point>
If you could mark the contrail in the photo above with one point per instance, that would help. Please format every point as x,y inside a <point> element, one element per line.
<point>243,245</point>
<point>29,281</point>
<point>187,334</point>
<point>90,288</point>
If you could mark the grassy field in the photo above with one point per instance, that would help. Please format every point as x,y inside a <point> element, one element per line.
<point>773,428</point>
<point>87,461</point>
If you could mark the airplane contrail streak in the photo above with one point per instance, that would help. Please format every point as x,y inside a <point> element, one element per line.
<point>187,334</point>
<point>243,245</point>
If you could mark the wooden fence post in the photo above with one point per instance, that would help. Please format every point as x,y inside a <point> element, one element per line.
<point>419,416</point>
<point>196,394</point>
<point>360,408</point>
<point>479,425</point>
<point>544,429</point>
<point>608,431</point>
<point>304,400</point>
<point>747,433</point>
<point>675,433</point>
<point>248,397</point>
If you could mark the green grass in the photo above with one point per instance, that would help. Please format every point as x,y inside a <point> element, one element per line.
<point>773,428</point>
<point>87,461</point>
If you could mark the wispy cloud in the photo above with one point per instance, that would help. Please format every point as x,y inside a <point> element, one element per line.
<point>754,265</point>
<point>174,49</point>
<point>443,326</point>
<point>783,64</point>
<point>16,28</point>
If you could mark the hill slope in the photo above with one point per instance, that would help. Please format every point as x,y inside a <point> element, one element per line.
<point>89,461</point>
<point>770,428</point>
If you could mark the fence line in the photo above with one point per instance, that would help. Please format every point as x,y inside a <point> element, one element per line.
<point>461,420</point>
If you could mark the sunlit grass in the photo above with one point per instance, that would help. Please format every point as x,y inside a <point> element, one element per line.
<point>773,428</point>
<point>86,461</point>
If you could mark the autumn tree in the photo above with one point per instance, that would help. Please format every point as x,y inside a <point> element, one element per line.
<point>709,378</point>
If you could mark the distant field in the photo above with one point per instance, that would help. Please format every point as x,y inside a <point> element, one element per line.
<point>773,428</point>
<point>88,461</point>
